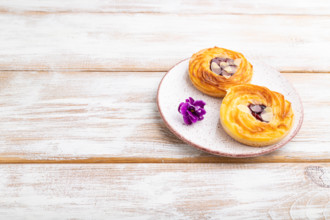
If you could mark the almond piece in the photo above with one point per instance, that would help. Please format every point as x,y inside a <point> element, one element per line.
<point>267,115</point>
<point>233,69</point>
<point>268,109</point>
<point>244,108</point>
<point>215,68</point>
<point>223,64</point>
<point>226,74</point>
<point>238,61</point>
<point>230,61</point>
<point>228,69</point>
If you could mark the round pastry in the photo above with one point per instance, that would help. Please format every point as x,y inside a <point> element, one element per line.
<point>214,70</point>
<point>256,116</point>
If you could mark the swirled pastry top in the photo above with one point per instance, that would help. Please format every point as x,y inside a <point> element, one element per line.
<point>255,115</point>
<point>214,70</point>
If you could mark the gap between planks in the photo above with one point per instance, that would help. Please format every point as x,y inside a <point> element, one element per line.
<point>235,7</point>
<point>96,160</point>
<point>156,13</point>
<point>135,71</point>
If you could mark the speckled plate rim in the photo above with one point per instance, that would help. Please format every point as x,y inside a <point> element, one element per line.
<point>222,153</point>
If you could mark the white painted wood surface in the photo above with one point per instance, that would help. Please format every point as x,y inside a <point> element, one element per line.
<point>165,191</point>
<point>279,7</point>
<point>155,42</point>
<point>108,115</point>
<point>78,83</point>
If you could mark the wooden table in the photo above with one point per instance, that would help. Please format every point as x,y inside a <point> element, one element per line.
<point>81,136</point>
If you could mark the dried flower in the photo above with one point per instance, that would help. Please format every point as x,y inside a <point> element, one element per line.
<point>192,110</point>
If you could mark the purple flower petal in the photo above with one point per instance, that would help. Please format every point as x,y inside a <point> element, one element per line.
<point>193,118</point>
<point>184,108</point>
<point>187,120</point>
<point>179,109</point>
<point>199,103</point>
<point>192,111</point>
<point>202,111</point>
<point>193,114</point>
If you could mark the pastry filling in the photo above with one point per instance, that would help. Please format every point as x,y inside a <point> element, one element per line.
<point>224,66</point>
<point>261,112</point>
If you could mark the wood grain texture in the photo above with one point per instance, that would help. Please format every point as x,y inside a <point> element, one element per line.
<point>163,191</point>
<point>155,42</point>
<point>292,7</point>
<point>113,117</point>
<point>73,100</point>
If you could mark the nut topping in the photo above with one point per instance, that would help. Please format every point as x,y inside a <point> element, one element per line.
<point>215,68</point>
<point>223,64</point>
<point>237,62</point>
<point>225,67</point>
<point>268,109</point>
<point>267,116</point>
<point>228,69</point>
<point>261,112</point>
<point>244,108</point>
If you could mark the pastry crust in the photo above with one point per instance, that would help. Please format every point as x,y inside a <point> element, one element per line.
<point>241,125</point>
<point>210,83</point>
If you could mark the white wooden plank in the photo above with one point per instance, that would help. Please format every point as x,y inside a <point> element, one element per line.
<point>305,7</point>
<point>163,191</point>
<point>155,42</point>
<point>101,116</point>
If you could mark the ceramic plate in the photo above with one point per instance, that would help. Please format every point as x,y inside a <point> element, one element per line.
<point>208,135</point>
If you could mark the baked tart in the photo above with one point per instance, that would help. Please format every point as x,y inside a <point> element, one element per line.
<point>255,115</point>
<point>214,70</point>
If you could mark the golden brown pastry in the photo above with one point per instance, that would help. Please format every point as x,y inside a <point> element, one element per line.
<point>214,70</point>
<point>256,116</point>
